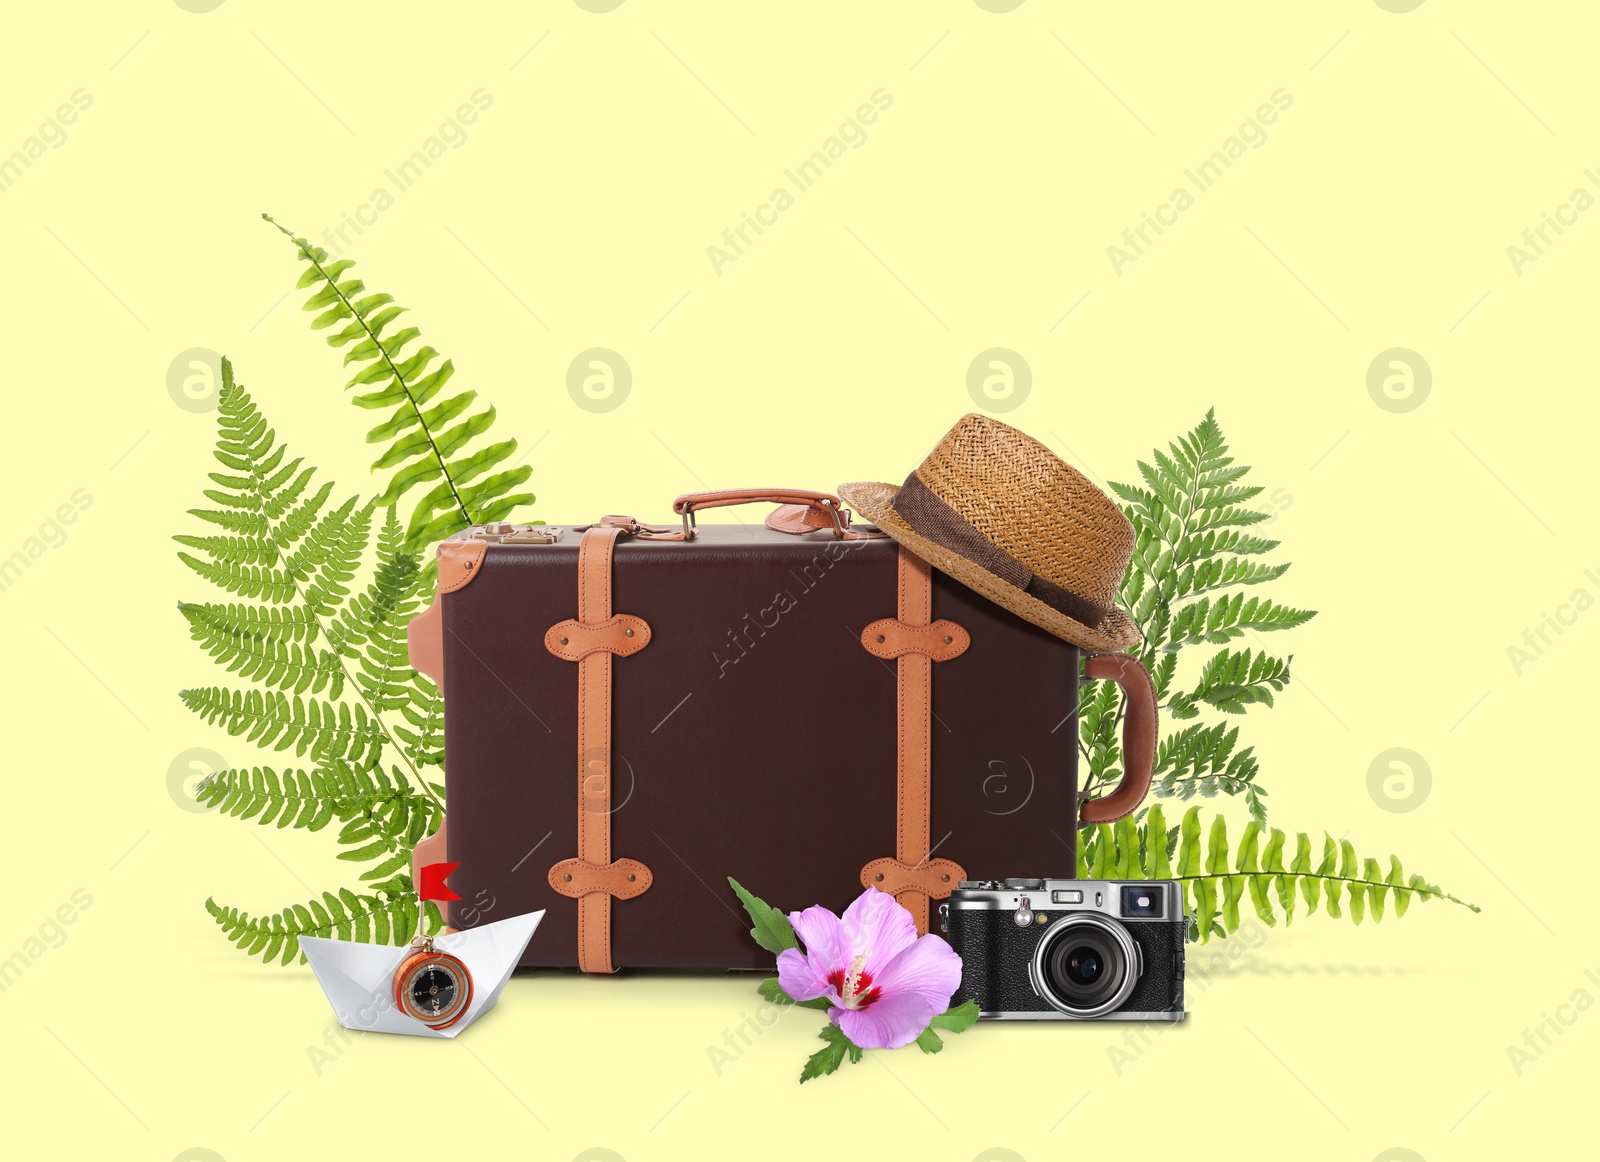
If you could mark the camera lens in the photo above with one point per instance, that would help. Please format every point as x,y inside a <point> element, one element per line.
<point>1082,966</point>
<point>1085,966</point>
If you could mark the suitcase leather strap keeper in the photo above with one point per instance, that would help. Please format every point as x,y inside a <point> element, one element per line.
<point>911,875</point>
<point>592,640</point>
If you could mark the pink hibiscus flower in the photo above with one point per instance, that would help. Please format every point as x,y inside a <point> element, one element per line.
<point>883,982</point>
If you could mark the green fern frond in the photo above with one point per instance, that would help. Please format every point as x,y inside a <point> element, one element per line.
<point>424,710</point>
<point>274,585</point>
<point>385,825</point>
<point>256,549</point>
<point>308,643</point>
<point>327,559</point>
<point>318,552</point>
<point>377,619</point>
<point>428,436</point>
<point>1181,479</point>
<point>1161,674</point>
<point>1217,882</point>
<point>246,524</point>
<point>286,544</point>
<point>1231,682</point>
<point>1201,759</point>
<point>304,799</point>
<point>270,718</point>
<point>1184,587</point>
<point>1098,718</point>
<point>1229,617</point>
<point>1222,573</point>
<point>270,645</point>
<point>384,917</point>
<point>310,800</point>
<point>1204,546</point>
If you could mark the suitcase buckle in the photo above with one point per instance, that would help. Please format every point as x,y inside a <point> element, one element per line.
<point>630,525</point>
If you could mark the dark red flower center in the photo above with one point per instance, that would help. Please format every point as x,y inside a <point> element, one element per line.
<point>855,992</point>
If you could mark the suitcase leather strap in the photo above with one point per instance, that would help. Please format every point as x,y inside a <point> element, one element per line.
<point>911,875</point>
<point>592,640</point>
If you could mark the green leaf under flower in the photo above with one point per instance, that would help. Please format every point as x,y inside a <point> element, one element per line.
<point>827,1059</point>
<point>772,928</point>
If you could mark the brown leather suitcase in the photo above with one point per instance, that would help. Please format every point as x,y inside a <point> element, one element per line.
<point>634,713</point>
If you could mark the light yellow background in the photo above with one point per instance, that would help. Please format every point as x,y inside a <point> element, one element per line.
<point>978,213</point>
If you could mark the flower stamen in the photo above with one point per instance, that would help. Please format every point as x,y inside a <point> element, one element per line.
<point>854,986</point>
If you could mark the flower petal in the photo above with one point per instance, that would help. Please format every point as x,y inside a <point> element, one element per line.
<point>889,1022</point>
<point>818,930</point>
<point>928,968</point>
<point>799,977</point>
<point>877,927</point>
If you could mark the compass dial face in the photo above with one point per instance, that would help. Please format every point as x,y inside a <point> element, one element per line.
<point>434,989</point>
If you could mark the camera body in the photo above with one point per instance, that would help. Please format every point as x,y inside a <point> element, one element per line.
<point>1057,950</point>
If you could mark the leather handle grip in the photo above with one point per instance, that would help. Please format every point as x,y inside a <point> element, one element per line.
<point>690,501</point>
<point>799,509</point>
<point>1138,736</point>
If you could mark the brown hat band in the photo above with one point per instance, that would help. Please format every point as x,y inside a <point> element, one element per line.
<point>930,517</point>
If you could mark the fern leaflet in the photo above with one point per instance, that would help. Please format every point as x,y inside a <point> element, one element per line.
<point>377,619</point>
<point>424,710</point>
<point>324,730</point>
<point>384,917</point>
<point>1263,870</point>
<point>428,434</point>
<point>313,799</point>
<point>273,646</point>
<point>1232,682</point>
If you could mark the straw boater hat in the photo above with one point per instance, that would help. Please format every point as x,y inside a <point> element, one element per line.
<point>1001,513</point>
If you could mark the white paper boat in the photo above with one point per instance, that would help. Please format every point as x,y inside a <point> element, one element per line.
<point>359,978</point>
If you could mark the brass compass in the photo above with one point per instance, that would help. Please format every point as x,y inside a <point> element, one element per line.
<point>433,987</point>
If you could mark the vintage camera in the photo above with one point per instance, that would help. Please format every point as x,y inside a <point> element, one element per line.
<point>1053,950</point>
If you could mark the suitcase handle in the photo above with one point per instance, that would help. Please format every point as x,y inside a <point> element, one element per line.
<point>1138,736</point>
<point>800,511</point>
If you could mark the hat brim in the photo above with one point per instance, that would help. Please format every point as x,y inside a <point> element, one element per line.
<point>875,502</point>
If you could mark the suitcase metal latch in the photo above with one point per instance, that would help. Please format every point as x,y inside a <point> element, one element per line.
<point>506,534</point>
